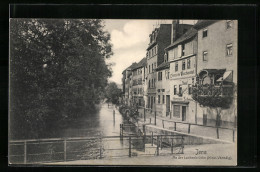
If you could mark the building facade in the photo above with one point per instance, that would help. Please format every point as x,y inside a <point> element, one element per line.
<point>138,80</point>
<point>163,89</point>
<point>217,64</point>
<point>159,39</point>
<point>182,55</point>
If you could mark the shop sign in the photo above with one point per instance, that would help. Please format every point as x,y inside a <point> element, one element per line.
<point>181,73</point>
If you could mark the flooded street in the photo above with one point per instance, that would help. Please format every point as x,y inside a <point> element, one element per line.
<point>96,125</point>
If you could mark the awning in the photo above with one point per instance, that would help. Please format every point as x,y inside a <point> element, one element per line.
<point>228,76</point>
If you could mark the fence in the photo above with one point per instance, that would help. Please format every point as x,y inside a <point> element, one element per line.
<point>84,148</point>
<point>153,114</point>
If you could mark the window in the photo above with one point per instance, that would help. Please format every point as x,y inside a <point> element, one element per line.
<point>152,82</point>
<point>159,76</point>
<point>229,50</point>
<point>205,56</point>
<point>183,65</point>
<point>155,50</point>
<point>152,51</point>
<point>149,69</point>
<point>175,90</point>
<point>163,99</point>
<point>188,63</point>
<point>183,49</point>
<point>155,65</point>
<point>180,89</point>
<point>204,33</point>
<point>153,99</point>
<point>152,67</point>
<point>149,85</point>
<point>159,100</point>
<point>189,89</point>
<point>176,66</point>
<point>229,24</point>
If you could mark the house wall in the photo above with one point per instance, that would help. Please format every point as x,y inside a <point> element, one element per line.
<point>162,89</point>
<point>215,44</point>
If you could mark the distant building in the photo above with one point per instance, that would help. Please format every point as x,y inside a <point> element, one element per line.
<point>128,84</point>
<point>138,79</point>
<point>159,39</point>
<point>217,63</point>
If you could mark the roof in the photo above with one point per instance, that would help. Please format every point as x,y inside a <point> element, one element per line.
<point>204,23</point>
<point>133,65</point>
<point>141,63</point>
<point>189,34</point>
<point>163,66</point>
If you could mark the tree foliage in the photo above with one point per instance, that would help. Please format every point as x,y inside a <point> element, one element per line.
<point>112,93</point>
<point>212,96</point>
<point>57,72</point>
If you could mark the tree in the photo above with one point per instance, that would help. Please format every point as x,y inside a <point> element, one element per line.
<point>57,72</point>
<point>113,93</point>
<point>212,96</point>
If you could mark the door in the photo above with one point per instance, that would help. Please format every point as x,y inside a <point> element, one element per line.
<point>167,105</point>
<point>183,113</point>
<point>151,102</point>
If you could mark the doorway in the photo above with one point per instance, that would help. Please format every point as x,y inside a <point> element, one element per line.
<point>168,105</point>
<point>183,113</point>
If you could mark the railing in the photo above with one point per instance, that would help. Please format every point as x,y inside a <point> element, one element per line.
<point>144,116</point>
<point>35,151</point>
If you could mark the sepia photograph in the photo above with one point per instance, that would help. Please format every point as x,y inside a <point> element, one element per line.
<point>136,92</point>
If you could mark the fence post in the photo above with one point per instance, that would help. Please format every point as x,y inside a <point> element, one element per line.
<point>114,116</point>
<point>233,135</point>
<point>189,129</point>
<point>65,150</point>
<point>217,133</point>
<point>25,152</point>
<point>154,117</point>
<point>157,145</point>
<point>172,146</point>
<point>163,123</point>
<point>182,142</point>
<point>161,142</point>
<point>120,130</point>
<point>100,153</point>
<point>152,138</point>
<point>174,126</point>
<point>144,115</point>
<point>129,146</point>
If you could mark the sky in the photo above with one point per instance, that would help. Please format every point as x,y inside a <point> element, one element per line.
<point>130,39</point>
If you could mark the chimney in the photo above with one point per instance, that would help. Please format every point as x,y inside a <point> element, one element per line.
<point>175,25</point>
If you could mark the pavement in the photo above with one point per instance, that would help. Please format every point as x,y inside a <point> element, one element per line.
<point>203,131</point>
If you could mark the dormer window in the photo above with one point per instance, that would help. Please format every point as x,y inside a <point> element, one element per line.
<point>229,24</point>
<point>204,33</point>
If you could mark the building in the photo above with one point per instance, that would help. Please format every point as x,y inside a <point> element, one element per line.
<point>127,74</point>
<point>217,64</point>
<point>181,55</point>
<point>138,80</point>
<point>163,89</point>
<point>159,39</point>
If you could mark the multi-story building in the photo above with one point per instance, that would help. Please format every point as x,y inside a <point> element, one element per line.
<point>128,84</point>
<point>138,79</point>
<point>217,63</point>
<point>163,89</point>
<point>159,39</point>
<point>182,58</point>
<point>163,106</point>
